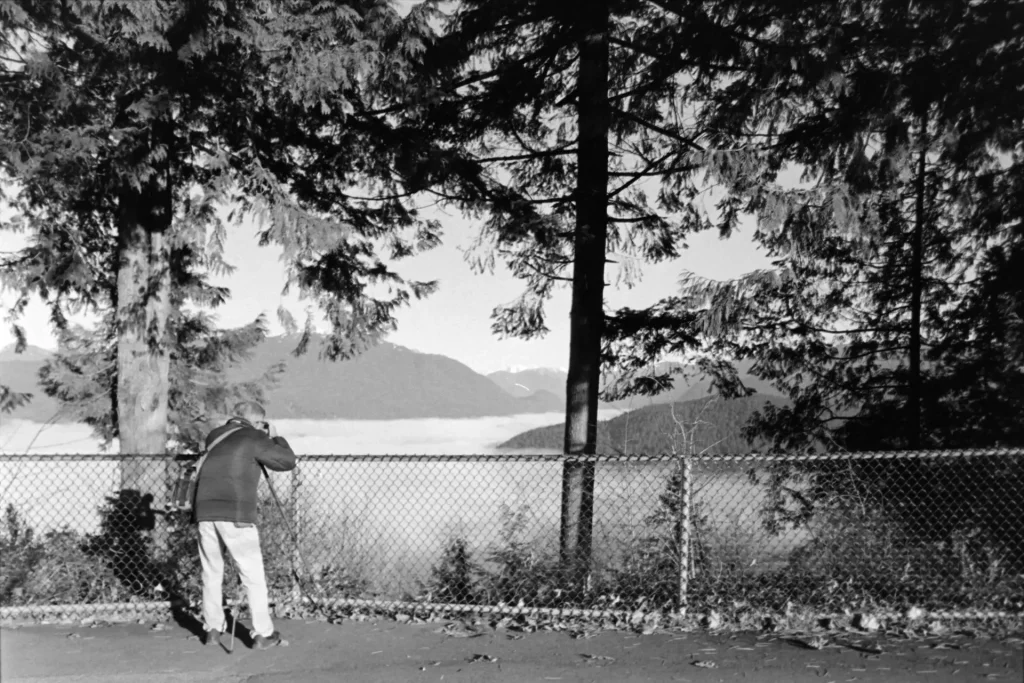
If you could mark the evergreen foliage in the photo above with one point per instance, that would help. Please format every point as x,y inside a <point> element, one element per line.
<point>124,127</point>
<point>889,319</point>
<point>516,112</point>
<point>906,219</point>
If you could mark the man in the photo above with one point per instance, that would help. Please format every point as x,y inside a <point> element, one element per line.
<point>225,508</point>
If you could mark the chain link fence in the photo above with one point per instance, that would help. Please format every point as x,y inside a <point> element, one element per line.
<point>739,535</point>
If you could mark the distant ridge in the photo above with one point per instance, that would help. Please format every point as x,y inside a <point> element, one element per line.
<point>20,372</point>
<point>655,429</point>
<point>526,381</point>
<point>686,388</point>
<point>387,382</point>
<point>30,353</point>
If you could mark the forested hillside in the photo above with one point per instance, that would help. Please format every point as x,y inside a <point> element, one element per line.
<point>716,425</point>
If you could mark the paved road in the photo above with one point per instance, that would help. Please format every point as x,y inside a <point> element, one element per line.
<point>387,652</point>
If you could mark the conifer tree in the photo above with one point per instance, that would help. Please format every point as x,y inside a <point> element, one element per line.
<point>82,373</point>
<point>910,154</point>
<point>891,318</point>
<point>125,125</point>
<point>586,121</point>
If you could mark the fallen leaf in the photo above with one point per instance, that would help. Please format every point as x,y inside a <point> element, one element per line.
<point>576,635</point>
<point>712,620</point>
<point>602,658</point>
<point>815,643</point>
<point>866,622</point>
<point>457,631</point>
<point>704,664</point>
<point>482,658</point>
<point>914,613</point>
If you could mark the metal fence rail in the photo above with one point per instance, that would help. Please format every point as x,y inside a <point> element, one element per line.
<point>747,534</point>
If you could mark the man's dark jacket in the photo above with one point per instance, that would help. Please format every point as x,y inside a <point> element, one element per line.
<point>226,491</point>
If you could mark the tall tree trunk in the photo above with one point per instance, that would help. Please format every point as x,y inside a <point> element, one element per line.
<point>143,309</point>
<point>587,314</point>
<point>917,285</point>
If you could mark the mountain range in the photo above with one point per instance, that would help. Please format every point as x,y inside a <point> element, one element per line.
<point>386,382</point>
<point>686,387</point>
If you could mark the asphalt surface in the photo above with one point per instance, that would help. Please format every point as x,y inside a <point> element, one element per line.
<point>388,652</point>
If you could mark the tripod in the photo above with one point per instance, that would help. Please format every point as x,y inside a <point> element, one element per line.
<point>295,544</point>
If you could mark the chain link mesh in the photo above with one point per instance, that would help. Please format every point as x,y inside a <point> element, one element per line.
<point>937,530</point>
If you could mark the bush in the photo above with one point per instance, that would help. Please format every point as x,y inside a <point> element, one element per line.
<point>522,569</point>
<point>454,578</point>
<point>864,560</point>
<point>57,569</point>
<point>125,543</point>
<point>68,574</point>
<point>20,553</point>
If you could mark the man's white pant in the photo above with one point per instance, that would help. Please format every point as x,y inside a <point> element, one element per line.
<point>244,545</point>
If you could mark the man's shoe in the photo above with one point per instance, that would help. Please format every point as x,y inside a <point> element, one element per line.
<point>211,638</point>
<point>267,642</point>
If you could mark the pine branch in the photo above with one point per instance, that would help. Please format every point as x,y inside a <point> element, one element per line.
<point>547,275</point>
<point>658,129</point>
<point>629,183</point>
<point>635,219</point>
<point>539,154</point>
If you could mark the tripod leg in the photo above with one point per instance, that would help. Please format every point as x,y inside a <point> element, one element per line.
<point>235,611</point>
<point>234,625</point>
<point>295,541</point>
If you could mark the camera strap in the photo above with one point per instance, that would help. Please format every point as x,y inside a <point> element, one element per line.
<point>183,497</point>
<point>199,465</point>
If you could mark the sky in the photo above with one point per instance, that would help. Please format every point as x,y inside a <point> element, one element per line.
<point>454,321</point>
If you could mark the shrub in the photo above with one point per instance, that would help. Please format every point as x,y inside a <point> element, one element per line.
<point>125,543</point>
<point>522,569</point>
<point>67,573</point>
<point>56,569</point>
<point>20,552</point>
<point>454,578</point>
<point>865,559</point>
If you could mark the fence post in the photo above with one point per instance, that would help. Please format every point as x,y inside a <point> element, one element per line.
<point>683,527</point>
<point>296,485</point>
